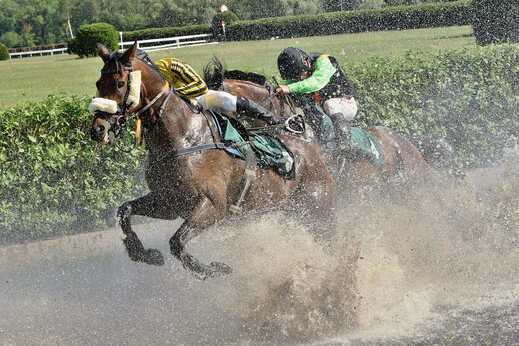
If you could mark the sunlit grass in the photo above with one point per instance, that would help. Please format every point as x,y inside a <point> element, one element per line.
<point>35,78</point>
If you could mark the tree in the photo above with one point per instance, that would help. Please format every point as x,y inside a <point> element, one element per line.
<point>11,39</point>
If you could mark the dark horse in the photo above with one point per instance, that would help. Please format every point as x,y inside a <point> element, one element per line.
<point>402,159</point>
<point>188,175</point>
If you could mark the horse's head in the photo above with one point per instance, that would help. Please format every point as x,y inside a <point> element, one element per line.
<point>120,92</point>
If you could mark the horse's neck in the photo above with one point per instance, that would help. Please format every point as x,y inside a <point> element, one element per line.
<point>252,91</point>
<point>179,127</point>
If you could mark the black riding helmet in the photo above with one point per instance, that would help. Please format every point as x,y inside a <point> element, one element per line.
<point>291,63</point>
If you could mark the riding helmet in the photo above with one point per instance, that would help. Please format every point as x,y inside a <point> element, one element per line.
<point>291,63</point>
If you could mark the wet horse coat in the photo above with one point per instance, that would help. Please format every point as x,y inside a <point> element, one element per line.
<point>201,186</point>
<point>401,157</point>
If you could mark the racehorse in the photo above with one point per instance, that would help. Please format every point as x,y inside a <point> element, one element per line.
<point>188,174</point>
<point>401,159</point>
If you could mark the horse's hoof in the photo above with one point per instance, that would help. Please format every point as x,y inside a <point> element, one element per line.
<point>153,257</point>
<point>220,268</point>
<point>215,269</point>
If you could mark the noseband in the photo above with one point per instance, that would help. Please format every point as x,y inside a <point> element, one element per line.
<point>122,108</point>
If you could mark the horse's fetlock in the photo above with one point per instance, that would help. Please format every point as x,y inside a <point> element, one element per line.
<point>176,246</point>
<point>124,212</point>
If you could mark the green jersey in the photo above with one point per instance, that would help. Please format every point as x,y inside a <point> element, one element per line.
<point>321,76</point>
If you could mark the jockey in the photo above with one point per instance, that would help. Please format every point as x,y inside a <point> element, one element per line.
<point>320,77</point>
<point>190,86</point>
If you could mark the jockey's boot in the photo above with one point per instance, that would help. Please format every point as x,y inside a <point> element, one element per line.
<point>342,133</point>
<point>246,107</point>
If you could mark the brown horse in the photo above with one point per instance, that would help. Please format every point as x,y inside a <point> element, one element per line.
<point>402,160</point>
<point>188,175</point>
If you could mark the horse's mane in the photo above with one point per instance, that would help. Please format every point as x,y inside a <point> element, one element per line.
<point>115,59</point>
<point>215,73</point>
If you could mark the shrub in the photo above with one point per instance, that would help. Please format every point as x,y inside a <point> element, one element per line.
<point>468,97</point>
<point>4,52</point>
<point>166,32</point>
<point>53,179</point>
<point>495,21</point>
<point>389,18</point>
<point>89,35</point>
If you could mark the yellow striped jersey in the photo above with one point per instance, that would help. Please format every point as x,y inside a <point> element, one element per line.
<point>181,77</point>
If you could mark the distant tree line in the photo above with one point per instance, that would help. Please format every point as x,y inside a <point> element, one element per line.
<point>25,23</point>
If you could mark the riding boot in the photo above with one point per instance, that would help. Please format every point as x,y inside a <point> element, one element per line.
<point>342,133</point>
<point>246,107</point>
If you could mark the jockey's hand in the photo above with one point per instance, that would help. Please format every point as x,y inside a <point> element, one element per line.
<point>282,90</point>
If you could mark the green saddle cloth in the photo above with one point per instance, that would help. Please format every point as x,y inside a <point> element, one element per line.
<point>361,140</point>
<point>270,152</point>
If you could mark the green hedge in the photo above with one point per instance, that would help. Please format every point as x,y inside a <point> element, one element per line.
<point>84,44</point>
<point>388,18</point>
<point>471,98</point>
<point>4,52</point>
<point>495,21</point>
<point>166,32</point>
<point>53,178</point>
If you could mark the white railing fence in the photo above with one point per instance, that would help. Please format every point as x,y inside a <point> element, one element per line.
<point>147,45</point>
<point>152,45</point>
<point>19,55</point>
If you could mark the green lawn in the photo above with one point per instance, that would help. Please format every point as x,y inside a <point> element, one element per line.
<point>35,78</point>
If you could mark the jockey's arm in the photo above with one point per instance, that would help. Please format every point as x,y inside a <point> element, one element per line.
<point>321,76</point>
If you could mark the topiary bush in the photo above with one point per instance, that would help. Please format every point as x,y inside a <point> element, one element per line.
<point>89,35</point>
<point>495,21</point>
<point>4,52</point>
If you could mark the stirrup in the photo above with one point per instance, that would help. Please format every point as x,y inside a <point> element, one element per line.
<point>295,131</point>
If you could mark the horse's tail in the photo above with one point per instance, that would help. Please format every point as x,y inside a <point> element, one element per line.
<point>214,74</point>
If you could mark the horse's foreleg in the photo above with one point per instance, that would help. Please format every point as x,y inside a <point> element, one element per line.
<point>149,205</point>
<point>203,216</point>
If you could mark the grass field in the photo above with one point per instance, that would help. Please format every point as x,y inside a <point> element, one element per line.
<point>35,78</point>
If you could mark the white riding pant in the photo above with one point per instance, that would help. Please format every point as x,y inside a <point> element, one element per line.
<point>219,101</point>
<point>347,106</point>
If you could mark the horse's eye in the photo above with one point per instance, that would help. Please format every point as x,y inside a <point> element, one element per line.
<point>120,84</point>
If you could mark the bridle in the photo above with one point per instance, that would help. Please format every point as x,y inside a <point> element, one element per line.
<point>115,122</point>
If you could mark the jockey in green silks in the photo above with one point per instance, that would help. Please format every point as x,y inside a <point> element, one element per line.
<point>319,80</point>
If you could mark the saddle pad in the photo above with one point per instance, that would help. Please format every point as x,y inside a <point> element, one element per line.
<point>270,152</point>
<point>364,141</point>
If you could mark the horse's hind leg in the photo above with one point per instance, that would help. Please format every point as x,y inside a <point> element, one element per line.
<point>149,205</point>
<point>203,216</point>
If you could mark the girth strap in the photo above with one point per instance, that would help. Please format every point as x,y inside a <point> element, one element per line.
<point>197,148</point>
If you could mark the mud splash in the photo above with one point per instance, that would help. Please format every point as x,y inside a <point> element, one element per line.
<point>394,261</point>
<point>433,265</point>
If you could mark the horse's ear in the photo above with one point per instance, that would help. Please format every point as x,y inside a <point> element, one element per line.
<point>103,52</point>
<point>130,53</point>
